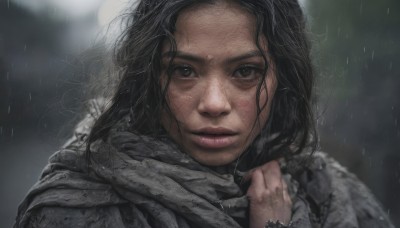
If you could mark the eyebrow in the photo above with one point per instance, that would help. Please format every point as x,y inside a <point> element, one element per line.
<point>199,59</point>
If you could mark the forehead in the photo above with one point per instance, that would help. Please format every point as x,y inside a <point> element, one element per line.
<point>225,10</point>
<point>211,29</point>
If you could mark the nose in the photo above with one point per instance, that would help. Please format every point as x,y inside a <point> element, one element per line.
<point>215,101</point>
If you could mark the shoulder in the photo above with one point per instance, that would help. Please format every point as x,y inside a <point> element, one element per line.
<point>343,200</point>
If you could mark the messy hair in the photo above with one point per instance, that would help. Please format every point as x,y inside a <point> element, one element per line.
<point>142,97</point>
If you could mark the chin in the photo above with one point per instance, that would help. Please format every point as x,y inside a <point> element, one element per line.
<point>215,159</point>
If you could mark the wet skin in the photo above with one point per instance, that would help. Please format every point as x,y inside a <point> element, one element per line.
<point>212,97</point>
<point>212,92</point>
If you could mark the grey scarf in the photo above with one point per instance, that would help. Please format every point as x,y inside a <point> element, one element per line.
<point>139,181</point>
<point>163,186</point>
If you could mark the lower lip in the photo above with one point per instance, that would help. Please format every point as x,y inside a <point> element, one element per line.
<point>213,141</point>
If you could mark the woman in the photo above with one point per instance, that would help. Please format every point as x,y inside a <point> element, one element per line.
<point>211,126</point>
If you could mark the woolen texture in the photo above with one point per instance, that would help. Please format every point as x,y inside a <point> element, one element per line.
<point>140,181</point>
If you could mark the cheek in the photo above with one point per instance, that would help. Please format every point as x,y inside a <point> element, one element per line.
<point>181,105</point>
<point>246,107</point>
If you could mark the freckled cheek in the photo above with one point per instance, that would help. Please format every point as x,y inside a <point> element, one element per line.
<point>181,105</point>
<point>247,110</point>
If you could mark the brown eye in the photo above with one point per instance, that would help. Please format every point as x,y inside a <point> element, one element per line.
<point>182,71</point>
<point>247,72</point>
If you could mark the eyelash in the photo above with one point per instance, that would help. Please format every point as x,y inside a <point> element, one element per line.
<point>255,71</point>
<point>175,68</point>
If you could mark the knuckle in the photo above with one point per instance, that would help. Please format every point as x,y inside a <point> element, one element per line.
<point>257,172</point>
<point>254,199</point>
<point>267,192</point>
<point>278,189</point>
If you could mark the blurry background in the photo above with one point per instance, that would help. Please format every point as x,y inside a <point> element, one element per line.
<point>50,48</point>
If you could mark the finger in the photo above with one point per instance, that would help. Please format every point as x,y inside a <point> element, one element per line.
<point>247,176</point>
<point>257,185</point>
<point>272,175</point>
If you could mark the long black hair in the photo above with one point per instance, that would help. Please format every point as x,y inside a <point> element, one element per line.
<point>141,96</point>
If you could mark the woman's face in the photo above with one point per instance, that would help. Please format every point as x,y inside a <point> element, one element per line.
<point>215,73</point>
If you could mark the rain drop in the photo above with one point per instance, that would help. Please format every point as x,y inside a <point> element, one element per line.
<point>390,65</point>
<point>12,132</point>
<point>364,49</point>
<point>9,109</point>
<point>373,55</point>
<point>8,4</point>
<point>30,96</point>
<point>8,76</point>
<point>25,47</point>
<point>388,11</point>
<point>347,61</point>
<point>363,152</point>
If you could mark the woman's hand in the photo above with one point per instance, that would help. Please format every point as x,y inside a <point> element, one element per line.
<point>268,196</point>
